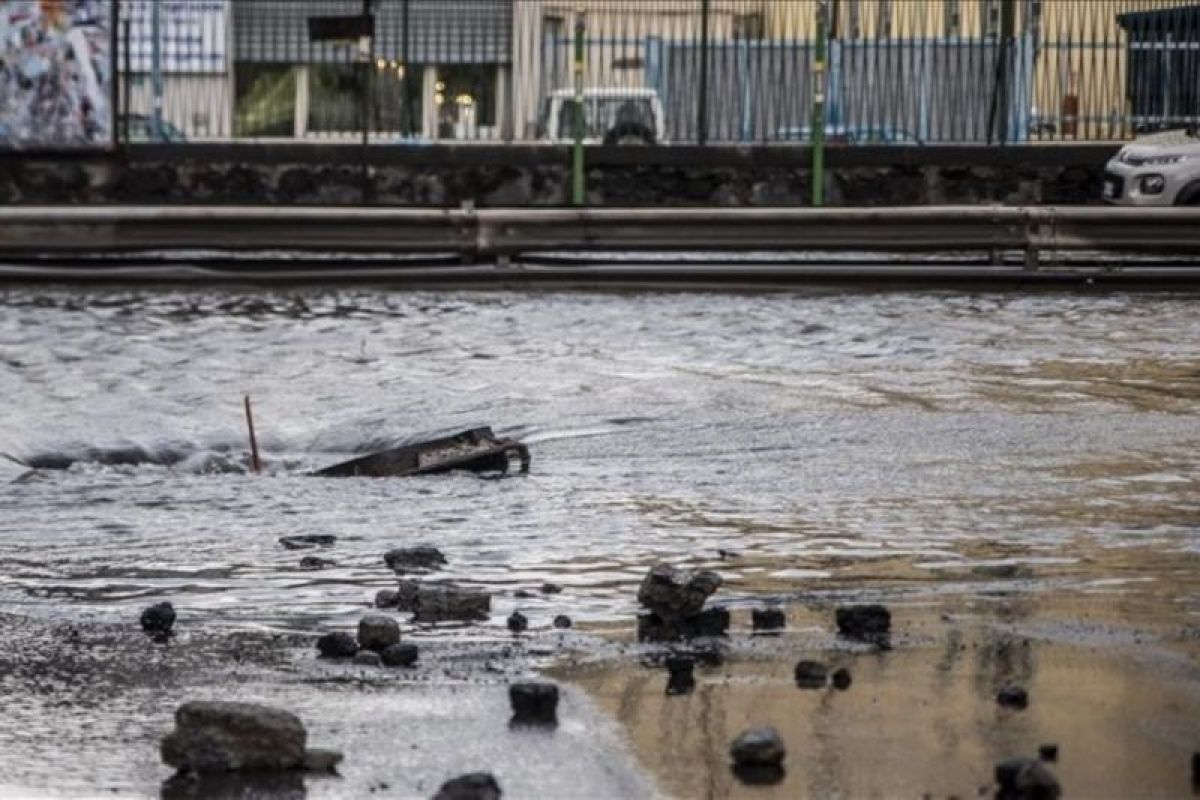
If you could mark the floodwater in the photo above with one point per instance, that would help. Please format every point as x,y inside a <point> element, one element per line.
<point>933,450</point>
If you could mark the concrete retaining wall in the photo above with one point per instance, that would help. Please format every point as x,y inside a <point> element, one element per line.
<point>539,176</point>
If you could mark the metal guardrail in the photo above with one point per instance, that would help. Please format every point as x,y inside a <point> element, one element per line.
<point>486,234</point>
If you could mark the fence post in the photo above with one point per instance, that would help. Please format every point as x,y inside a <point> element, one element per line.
<point>702,100</point>
<point>818,109</point>
<point>126,81</point>
<point>156,75</point>
<point>368,68</point>
<point>577,194</point>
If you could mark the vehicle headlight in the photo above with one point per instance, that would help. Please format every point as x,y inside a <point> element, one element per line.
<point>1158,161</point>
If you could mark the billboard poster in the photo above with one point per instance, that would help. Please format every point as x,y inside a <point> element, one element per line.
<point>192,34</point>
<point>56,74</point>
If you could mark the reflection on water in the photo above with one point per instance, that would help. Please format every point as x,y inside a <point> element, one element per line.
<point>921,720</point>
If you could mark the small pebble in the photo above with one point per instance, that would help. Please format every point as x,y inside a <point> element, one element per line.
<point>337,645</point>
<point>810,675</point>
<point>367,658</point>
<point>562,621</point>
<point>551,588</point>
<point>758,747</point>
<point>534,703</point>
<point>768,619</point>
<point>158,619</point>
<point>476,786</point>
<point>841,679</point>
<point>377,631</point>
<point>517,622</point>
<point>1048,752</point>
<point>399,655</point>
<point>1013,697</point>
<point>1026,779</point>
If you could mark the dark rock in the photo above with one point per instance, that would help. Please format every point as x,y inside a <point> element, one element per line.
<point>675,594</point>
<point>158,619</point>
<point>421,558</point>
<point>1048,752</point>
<point>523,594</point>
<point>868,623</point>
<point>1026,779</point>
<point>1196,768</point>
<point>337,645</point>
<point>307,542</point>
<point>726,554</point>
<point>399,655</point>
<point>219,736</point>
<point>387,598</point>
<point>758,747</point>
<point>517,622</point>
<point>1013,697</point>
<point>551,588</point>
<point>318,760</point>
<point>534,703</point>
<point>476,786</point>
<point>759,774</point>
<point>768,619</point>
<point>710,622</point>
<point>562,621</point>
<point>313,563</point>
<point>287,785</point>
<point>811,675</point>
<point>440,603</point>
<point>367,658</point>
<point>377,632</point>
<point>682,678</point>
<point>841,679</point>
<point>406,595</point>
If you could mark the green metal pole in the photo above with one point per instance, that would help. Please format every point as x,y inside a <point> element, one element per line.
<point>577,196</point>
<point>818,110</point>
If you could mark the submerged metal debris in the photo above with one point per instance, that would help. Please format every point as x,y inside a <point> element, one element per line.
<point>477,450</point>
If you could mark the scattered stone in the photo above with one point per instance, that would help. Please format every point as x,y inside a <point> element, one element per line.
<point>307,542</point>
<point>868,623</point>
<point>313,563</point>
<point>562,621</point>
<point>710,622</point>
<point>158,619</point>
<point>421,558</point>
<point>476,786</point>
<point>682,678</point>
<point>674,594</point>
<point>441,603</point>
<point>220,736</point>
<point>768,619</point>
<point>1026,779</point>
<point>367,658</point>
<point>1048,752</point>
<point>758,747</point>
<point>523,594</point>
<point>318,760</point>
<point>517,622</point>
<point>1013,697</point>
<point>811,675</point>
<point>399,655</point>
<point>534,703</point>
<point>406,595</point>
<point>551,588</point>
<point>337,645</point>
<point>387,598</point>
<point>841,679</point>
<point>377,632</point>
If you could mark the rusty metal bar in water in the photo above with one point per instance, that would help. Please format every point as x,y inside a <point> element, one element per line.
<point>255,464</point>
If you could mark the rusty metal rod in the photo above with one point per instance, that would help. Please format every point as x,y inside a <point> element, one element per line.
<point>255,464</point>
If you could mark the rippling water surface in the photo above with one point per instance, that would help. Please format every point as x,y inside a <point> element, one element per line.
<point>828,439</point>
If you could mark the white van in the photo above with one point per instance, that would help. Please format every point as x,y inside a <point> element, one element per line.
<point>610,116</point>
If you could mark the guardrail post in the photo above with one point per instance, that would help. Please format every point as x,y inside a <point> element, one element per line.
<point>818,108</point>
<point>577,193</point>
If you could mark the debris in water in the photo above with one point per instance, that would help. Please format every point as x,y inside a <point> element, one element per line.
<point>158,619</point>
<point>476,450</point>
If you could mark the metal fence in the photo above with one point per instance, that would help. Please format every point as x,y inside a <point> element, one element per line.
<point>662,71</point>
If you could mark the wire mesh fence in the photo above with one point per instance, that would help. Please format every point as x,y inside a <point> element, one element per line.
<point>656,71</point>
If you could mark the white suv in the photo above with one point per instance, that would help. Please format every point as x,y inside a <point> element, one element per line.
<point>1162,169</point>
<point>610,116</point>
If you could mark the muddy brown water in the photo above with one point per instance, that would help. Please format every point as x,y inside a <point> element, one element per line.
<point>1022,465</point>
